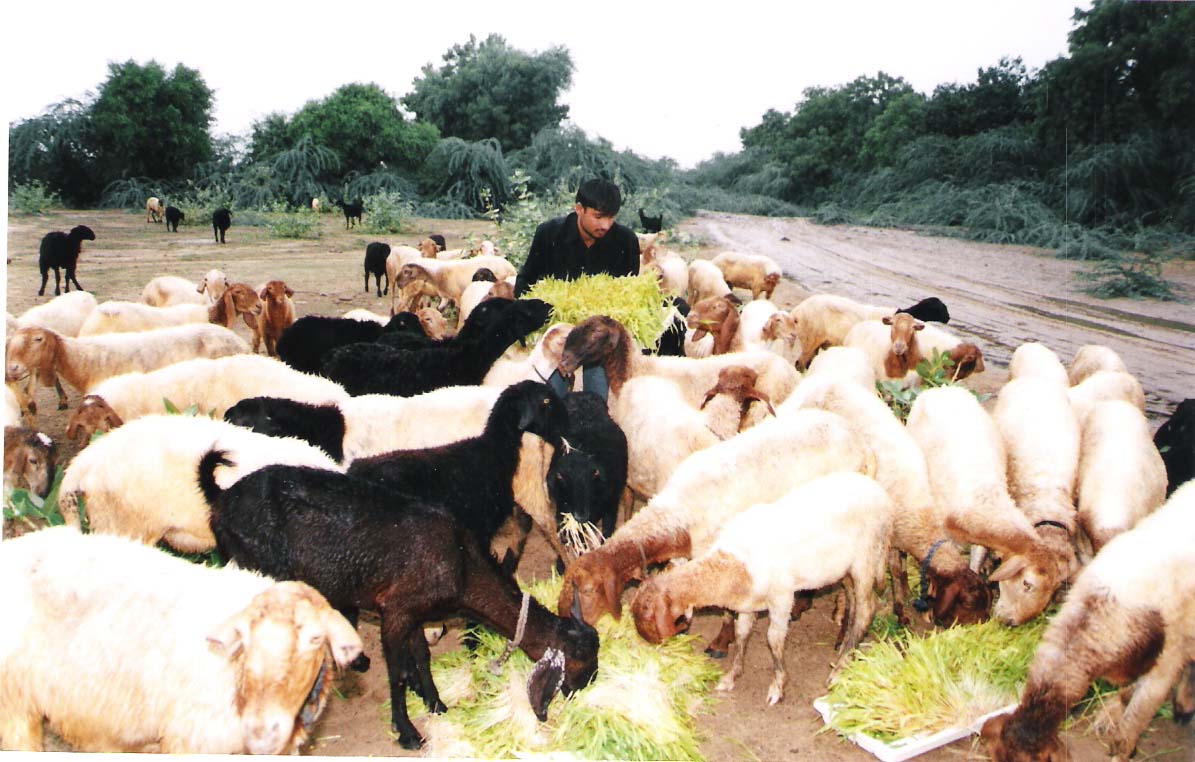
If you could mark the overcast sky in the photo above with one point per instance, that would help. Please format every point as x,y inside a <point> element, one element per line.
<point>661,78</point>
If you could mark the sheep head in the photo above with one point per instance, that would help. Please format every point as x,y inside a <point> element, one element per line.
<point>31,350</point>
<point>770,281</point>
<point>82,233</point>
<point>240,299</point>
<point>280,644</point>
<point>484,273</point>
<point>968,360</point>
<point>428,248</point>
<point>93,414</point>
<point>1010,744</point>
<point>214,283</point>
<point>959,597</point>
<point>28,459</point>
<point>780,326</point>
<point>594,584</point>
<point>738,382</point>
<point>657,616</point>
<point>717,316</point>
<point>598,340</point>
<point>1029,579</point>
<point>410,273</point>
<point>276,292</point>
<point>433,323</point>
<point>538,410</point>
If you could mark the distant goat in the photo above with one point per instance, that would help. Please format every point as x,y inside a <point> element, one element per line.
<point>352,211</point>
<point>651,224</point>
<point>173,216</point>
<point>221,222</point>
<point>375,265</point>
<point>61,250</point>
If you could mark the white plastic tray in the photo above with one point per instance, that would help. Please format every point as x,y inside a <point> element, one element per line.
<point>907,748</point>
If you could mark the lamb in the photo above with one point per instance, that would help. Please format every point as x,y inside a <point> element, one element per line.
<point>651,224</point>
<point>83,363</point>
<point>137,480</point>
<point>61,251</point>
<point>433,323</point>
<point>757,273</point>
<point>213,284</point>
<point>1039,361</point>
<point>451,278</point>
<point>716,316</point>
<point>1175,440</point>
<point>950,590</point>
<point>833,528</point>
<point>153,209</point>
<point>1128,619</point>
<point>1121,476</point>
<point>587,477</point>
<point>29,459</point>
<point>376,254</point>
<point>64,314</point>
<point>213,385</point>
<point>705,280</point>
<point>352,211</point>
<point>663,429</point>
<point>174,215</point>
<point>221,222</point>
<point>970,484</point>
<point>763,325</point>
<point>1091,358</point>
<point>411,562</point>
<point>462,360</point>
<point>706,489</point>
<point>1102,386</point>
<point>94,622</point>
<point>276,317</point>
<point>539,362</point>
<point>122,317</point>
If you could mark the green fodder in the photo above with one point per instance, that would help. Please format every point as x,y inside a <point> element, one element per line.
<point>641,704</point>
<point>636,302</point>
<point>32,198</point>
<point>36,512</point>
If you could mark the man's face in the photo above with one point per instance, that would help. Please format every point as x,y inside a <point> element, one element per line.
<point>593,223</point>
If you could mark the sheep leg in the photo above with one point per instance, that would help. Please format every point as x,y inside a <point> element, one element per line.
<point>421,664</point>
<point>57,282</point>
<point>70,278</point>
<point>743,625</point>
<point>900,585</point>
<point>396,635</point>
<point>862,610</point>
<point>779,613</point>
<point>386,290</point>
<point>45,275</point>
<point>61,393</point>
<point>718,647</point>
<point>22,731</point>
<point>1148,694</point>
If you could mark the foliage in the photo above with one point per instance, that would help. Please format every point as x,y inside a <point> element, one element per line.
<point>474,174</point>
<point>636,302</point>
<point>55,148</point>
<point>1136,277</point>
<point>32,198</point>
<point>35,511</point>
<point>932,372</point>
<point>520,217</point>
<point>301,224</point>
<point>831,213</point>
<point>387,213</point>
<point>491,90</point>
<point>300,167</point>
<point>358,185</point>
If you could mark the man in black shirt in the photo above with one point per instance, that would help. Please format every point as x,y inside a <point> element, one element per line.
<point>585,242</point>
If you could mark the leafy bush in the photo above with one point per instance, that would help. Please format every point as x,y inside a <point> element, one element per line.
<point>833,214</point>
<point>474,174</point>
<point>387,212</point>
<point>130,193</point>
<point>518,220</point>
<point>301,224</point>
<point>32,198</point>
<point>1136,277</point>
<point>933,372</point>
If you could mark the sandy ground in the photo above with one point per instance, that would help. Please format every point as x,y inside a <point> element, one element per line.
<point>998,296</point>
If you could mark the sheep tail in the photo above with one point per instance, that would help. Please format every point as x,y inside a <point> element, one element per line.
<point>207,473</point>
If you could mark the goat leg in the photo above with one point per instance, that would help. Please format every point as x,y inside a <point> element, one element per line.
<point>396,635</point>
<point>421,665</point>
<point>718,647</point>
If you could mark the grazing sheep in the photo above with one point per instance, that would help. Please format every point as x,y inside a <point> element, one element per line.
<point>1039,361</point>
<point>825,320</point>
<point>966,357</point>
<point>763,325</point>
<point>376,254</point>
<point>153,209</point>
<point>137,480</point>
<point>1175,440</point>
<point>705,280</point>
<point>352,211</point>
<point>83,363</point>
<point>651,224</point>
<point>277,315</point>
<point>1122,478</point>
<point>411,562</point>
<point>29,459</point>
<point>123,317</point>
<point>60,250</point>
<point>1091,358</point>
<point>718,317</point>
<point>1128,619</point>
<point>174,215</point>
<point>120,647</point>
<point>221,222</point>
<point>434,325</point>
<point>706,489</point>
<point>213,385</point>
<point>891,343</point>
<point>64,314</point>
<point>450,278</point>
<point>757,273</point>
<point>833,528</point>
<point>1103,386</point>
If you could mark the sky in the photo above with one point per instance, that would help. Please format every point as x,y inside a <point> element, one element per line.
<point>661,78</point>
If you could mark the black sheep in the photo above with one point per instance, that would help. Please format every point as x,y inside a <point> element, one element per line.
<point>474,476</point>
<point>651,224</point>
<point>375,265</point>
<point>672,341</point>
<point>1175,440</point>
<point>174,215</point>
<point>587,476</point>
<point>221,222</point>
<point>320,425</point>
<point>930,309</point>
<point>363,546</point>
<point>303,345</point>
<point>61,250</point>
<point>352,211</point>
<point>375,368</point>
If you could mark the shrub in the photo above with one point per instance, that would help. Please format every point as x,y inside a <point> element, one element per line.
<point>1137,277</point>
<point>934,372</point>
<point>32,198</point>
<point>833,214</point>
<point>387,212</point>
<point>518,219</point>
<point>301,224</point>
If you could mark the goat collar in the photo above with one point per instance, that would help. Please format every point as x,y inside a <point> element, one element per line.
<point>1052,523</point>
<point>511,645</point>
<point>921,602</point>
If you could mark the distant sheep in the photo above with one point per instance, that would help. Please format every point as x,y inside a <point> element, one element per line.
<point>376,254</point>
<point>757,273</point>
<point>352,211</point>
<point>61,251</point>
<point>931,309</point>
<point>221,222</point>
<point>153,209</point>
<point>651,224</point>
<point>174,215</point>
<point>278,314</point>
<point>1175,440</point>
<point>65,313</point>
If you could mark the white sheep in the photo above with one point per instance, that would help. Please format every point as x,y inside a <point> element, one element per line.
<point>538,364</point>
<point>154,209</point>
<point>120,647</point>
<point>477,292</point>
<point>967,473</point>
<point>891,345</point>
<point>212,384</point>
<point>167,290</point>
<point>85,362</point>
<point>670,270</point>
<point>763,325</point>
<point>1122,478</point>
<point>14,411</point>
<point>847,363</point>
<point>833,528</point>
<point>1036,359</point>
<point>399,256</point>
<point>825,320</point>
<point>64,314</point>
<point>213,284</point>
<point>139,480</point>
<point>1102,386</point>
<point>120,317</point>
<point>757,273</point>
<point>1091,358</point>
<point>705,280</point>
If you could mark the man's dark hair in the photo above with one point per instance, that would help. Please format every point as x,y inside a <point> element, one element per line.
<point>600,194</point>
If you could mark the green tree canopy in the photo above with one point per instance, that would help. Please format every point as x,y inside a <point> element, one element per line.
<point>147,122</point>
<point>54,149</point>
<point>489,89</point>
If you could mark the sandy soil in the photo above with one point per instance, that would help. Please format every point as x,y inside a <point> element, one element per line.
<point>998,295</point>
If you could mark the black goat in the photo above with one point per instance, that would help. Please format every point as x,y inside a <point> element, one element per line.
<point>61,250</point>
<point>352,211</point>
<point>303,345</point>
<point>931,309</point>
<point>375,368</point>
<point>651,224</point>
<point>320,425</point>
<point>375,265</point>
<point>221,222</point>
<point>587,476</point>
<point>365,547</point>
<point>672,341</point>
<point>174,215</point>
<point>1175,440</point>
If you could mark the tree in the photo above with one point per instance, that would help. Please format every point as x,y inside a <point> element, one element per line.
<point>147,122</point>
<point>490,90</point>
<point>996,98</point>
<point>54,149</point>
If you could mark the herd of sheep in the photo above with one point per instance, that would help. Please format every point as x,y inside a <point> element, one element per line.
<point>395,464</point>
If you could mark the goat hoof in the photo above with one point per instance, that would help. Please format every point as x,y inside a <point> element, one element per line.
<point>409,741</point>
<point>360,664</point>
<point>62,406</point>
<point>438,708</point>
<point>714,653</point>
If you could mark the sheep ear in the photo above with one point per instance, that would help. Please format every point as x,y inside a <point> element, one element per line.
<point>665,621</point>
<point>945,603</point>
<point>201,287</point>
<point>263,293</point>
<point>290,291</point>
<point>610,587</point>
<point>759,396</point>
<point>918,326</point>
<point>228,639</point>
<point>886,320</point>
<point>575,609</point>
<point>1009,568</point>
<point>544,683</point>
<point>342,638</point>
